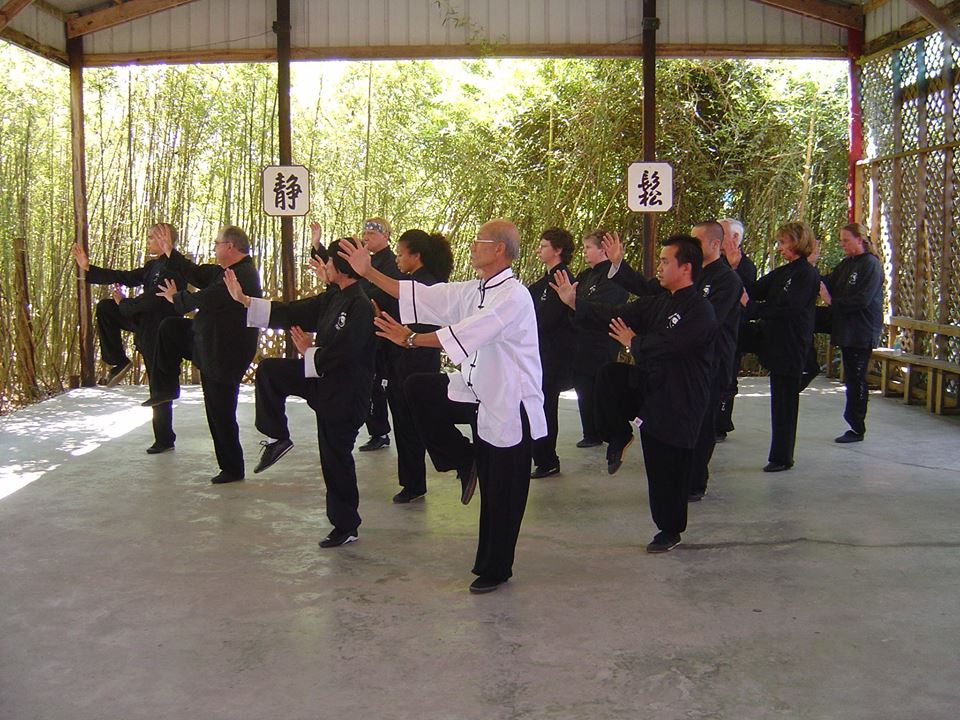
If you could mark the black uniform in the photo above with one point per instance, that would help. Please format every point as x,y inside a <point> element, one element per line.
<point>856,290</point>
<point>344,363</point>
<point>386,262</point>
<point>401,364</point>
<point>556,336</point>
<point>142,315</point>
<point>747,272</point>
<point>783,302</point>
<point>594,346</point>
<point>668,389</point>
<point>722,288</point>
<point>218,342</point>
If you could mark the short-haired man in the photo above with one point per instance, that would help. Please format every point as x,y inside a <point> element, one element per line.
<point>334,378</point>
<point>217,339</point>
<point>671,336</point>
<point>376,241</point>
<point>743,266</point>
<point>489,328</point>
<point>142,315</point>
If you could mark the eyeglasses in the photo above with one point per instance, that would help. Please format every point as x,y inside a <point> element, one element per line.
<point>478,241</point>
<point>221,242</point>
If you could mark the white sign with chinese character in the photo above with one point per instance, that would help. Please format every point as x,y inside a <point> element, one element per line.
<point>650,186</point>
<point>286,190</point>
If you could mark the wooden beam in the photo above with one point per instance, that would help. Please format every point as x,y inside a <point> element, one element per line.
<point>419,52</point>
<point>10,10</point>
<point>28,43</point>
<point>848,16</point>
<point>117,15</point>
<point>908,32</point>
<point>50,10</point>
<point>871,5</point>
<point>936,17</point>
<point>288,268</point>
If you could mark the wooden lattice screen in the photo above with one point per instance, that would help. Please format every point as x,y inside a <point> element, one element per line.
<point>907,187</point>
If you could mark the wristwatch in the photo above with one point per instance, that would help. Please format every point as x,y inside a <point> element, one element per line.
<point>410,338</point>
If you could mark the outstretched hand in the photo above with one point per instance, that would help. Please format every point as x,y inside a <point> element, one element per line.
<point>303,340</point>
<point>565,289</point>
<point>612,246</point>
<point>233,287</point>
<point>621,332</point>
<point>825,294</point>
<point>390,329</point>
<point>356,255</point>
<point>80,255</point>
<point>168,289</point>
<point>315,232</point>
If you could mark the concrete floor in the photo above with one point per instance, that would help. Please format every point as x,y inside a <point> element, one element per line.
<point>132,588</point>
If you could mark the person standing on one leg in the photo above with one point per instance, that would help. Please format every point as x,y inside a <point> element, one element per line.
<point>334,378</point>
<point>671,336</point>
<point>142,315</point>
<point>556,336</point>
<point>854,292</point>
<point>217,339</point>
<point>489,328</point>
<point>376,241</point>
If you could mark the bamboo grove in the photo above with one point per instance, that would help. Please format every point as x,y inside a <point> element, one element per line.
<point>426,144</point>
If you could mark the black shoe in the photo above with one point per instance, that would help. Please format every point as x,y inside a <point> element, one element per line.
<point>849,437</point>
<point>117,374</point>
<point>542,472</point>
<point>468,482</point>
<point>405,496</point>
<point>615,451</point>
<point>272,451</point>
<point>482,585</point>
<point>225,477</point>
<point>159,399</point>
<point>157,448</point>
<point>375,443</point>
<point>776,467</point>
<point>662,542</point>
<point>721,437</point>
<point>589,443</point>
<point>696,496</point>
<point>336,538</point>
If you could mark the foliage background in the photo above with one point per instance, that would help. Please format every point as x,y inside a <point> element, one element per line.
<point>442,145</point>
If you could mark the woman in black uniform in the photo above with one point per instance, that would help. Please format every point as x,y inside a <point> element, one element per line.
<point>783,302</point>
<point>854,292</point>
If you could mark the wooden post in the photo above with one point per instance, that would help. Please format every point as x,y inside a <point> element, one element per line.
<point>649,39</point>
<point>922,256</point>
<point>26,351</point>
<point>896,190</point>
<point>288,272</point>
<point>855,150</point>
<point>81,228</point>
<point>951,234</point>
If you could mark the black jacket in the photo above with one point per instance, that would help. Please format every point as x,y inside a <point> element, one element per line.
<point>723,288</point>
<point>594,346</point>
<point>147,310</point>
<point>223,345</point>
<point>856,290</point>
<point>344,361</point>
<point>783,303</point>
<point>674,355</point>
<point>404,362</point>
<point>555,330</point>
<point>386,262</point>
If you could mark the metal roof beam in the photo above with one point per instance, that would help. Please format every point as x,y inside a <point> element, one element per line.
<point>117,15</point>
<point>938,18</point>
<point>847,16</point>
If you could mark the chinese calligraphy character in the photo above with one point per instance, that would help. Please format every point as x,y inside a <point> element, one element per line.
<point>650,193</point>
<point>286,191</point>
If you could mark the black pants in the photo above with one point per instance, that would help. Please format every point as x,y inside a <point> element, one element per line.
<point>668,481</point>
<point>175,344</point>
<point>276,380</point>
<point>110,323</point>
<point>504,473</point>
<point>724,417</point>
<point>545,448</point>
<point>377,422</point>
<point>411,452</point>
<point>585,385</point>
<point>706,440</point>
<point>784,409</point>
<point>617,403</point>
<point>855,362</point>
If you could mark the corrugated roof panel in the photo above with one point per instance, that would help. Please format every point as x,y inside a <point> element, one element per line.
<point>41,26</point>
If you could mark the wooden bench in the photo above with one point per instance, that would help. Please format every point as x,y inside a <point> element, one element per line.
<point>934,363</point>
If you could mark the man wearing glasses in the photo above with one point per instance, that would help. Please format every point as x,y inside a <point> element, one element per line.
<point>217,339</point>
<point>488,328</point>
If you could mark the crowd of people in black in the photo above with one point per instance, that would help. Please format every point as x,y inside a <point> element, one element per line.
<point>663,365</point>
